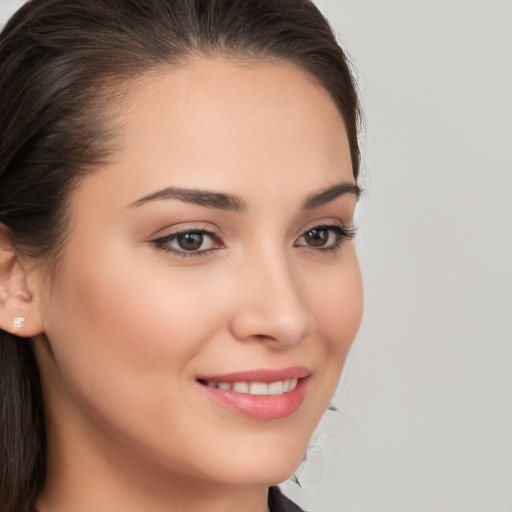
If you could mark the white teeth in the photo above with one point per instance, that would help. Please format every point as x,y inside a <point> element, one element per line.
<point>257,388</point>
<point>241,387</point>
<point>276,388</point>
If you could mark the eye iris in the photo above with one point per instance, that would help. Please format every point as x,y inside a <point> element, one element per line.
<point>190,241</point>
<point>317,237</point>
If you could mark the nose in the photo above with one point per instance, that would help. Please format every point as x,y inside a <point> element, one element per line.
<point>271,305</point>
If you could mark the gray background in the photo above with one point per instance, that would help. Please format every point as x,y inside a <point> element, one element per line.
<point>425,421</point>
<point>427,393</point>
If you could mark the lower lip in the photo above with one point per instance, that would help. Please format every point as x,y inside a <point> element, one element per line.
<point>263,407</point>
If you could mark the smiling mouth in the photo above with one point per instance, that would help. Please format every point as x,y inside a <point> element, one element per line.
<point>254,388</point>
<point>263,394</point>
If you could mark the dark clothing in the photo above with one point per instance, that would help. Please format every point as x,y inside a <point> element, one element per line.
<point>277,502</point>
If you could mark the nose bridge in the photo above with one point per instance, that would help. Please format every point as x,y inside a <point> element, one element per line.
<point>271,305</point>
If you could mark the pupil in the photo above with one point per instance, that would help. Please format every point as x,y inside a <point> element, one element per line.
<point>190,241</point>
<point>317,237</point>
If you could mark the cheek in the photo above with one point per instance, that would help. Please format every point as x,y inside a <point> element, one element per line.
<point>124,338</point>
<point>338,310</point>
<point>117,328</point>
<point>338,306</point>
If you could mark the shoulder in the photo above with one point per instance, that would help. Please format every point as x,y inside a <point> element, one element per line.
<point>278,502</point>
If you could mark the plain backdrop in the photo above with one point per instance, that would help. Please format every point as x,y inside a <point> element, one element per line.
<point>425,421</point>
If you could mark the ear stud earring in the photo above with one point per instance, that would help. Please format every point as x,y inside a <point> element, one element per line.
<point>19,322</point>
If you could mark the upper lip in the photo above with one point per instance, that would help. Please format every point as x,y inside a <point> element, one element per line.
<point>260,375</point>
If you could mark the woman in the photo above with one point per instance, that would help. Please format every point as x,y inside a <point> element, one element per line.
<point>178,286</point>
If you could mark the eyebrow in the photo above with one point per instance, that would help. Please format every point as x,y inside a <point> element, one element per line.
<point>330,194</point>
<point>200,197</point>
<point>229,202</point>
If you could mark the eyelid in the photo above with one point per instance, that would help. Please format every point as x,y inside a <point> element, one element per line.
<point>330,222</point>
<point>184,227</point>
<point>341,232</point>
<point>162,241</point>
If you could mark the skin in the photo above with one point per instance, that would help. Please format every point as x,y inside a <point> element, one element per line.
<point>126,327</point>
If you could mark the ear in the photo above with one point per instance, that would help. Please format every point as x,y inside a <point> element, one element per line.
<point>19,305</point>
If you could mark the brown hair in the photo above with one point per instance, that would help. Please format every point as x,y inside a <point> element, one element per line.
<point>61,63</point>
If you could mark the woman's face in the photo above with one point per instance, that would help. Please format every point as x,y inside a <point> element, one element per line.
<point>206,272</point>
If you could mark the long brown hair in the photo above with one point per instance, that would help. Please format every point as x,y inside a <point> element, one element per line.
<point>62,65</point>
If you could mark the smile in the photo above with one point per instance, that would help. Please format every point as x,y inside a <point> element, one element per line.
<point>259,394</point>
<point>257,388</point>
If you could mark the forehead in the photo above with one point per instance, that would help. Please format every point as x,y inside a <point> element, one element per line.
<point>228,125</point>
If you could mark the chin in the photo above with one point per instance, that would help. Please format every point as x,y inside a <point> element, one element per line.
<point>265,466</point>
<point>266,476</point>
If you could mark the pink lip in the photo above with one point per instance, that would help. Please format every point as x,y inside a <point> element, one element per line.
<point>263,407</point>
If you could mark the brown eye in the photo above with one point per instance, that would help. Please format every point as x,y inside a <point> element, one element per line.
<point>190,241</point>
<point>317,237</point>
<point>325,238</point>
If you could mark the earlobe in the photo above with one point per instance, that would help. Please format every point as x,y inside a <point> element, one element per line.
<point>19,310</point>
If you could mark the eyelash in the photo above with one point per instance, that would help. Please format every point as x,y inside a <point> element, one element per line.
<point>341,233</point>
<point>163,242</point>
